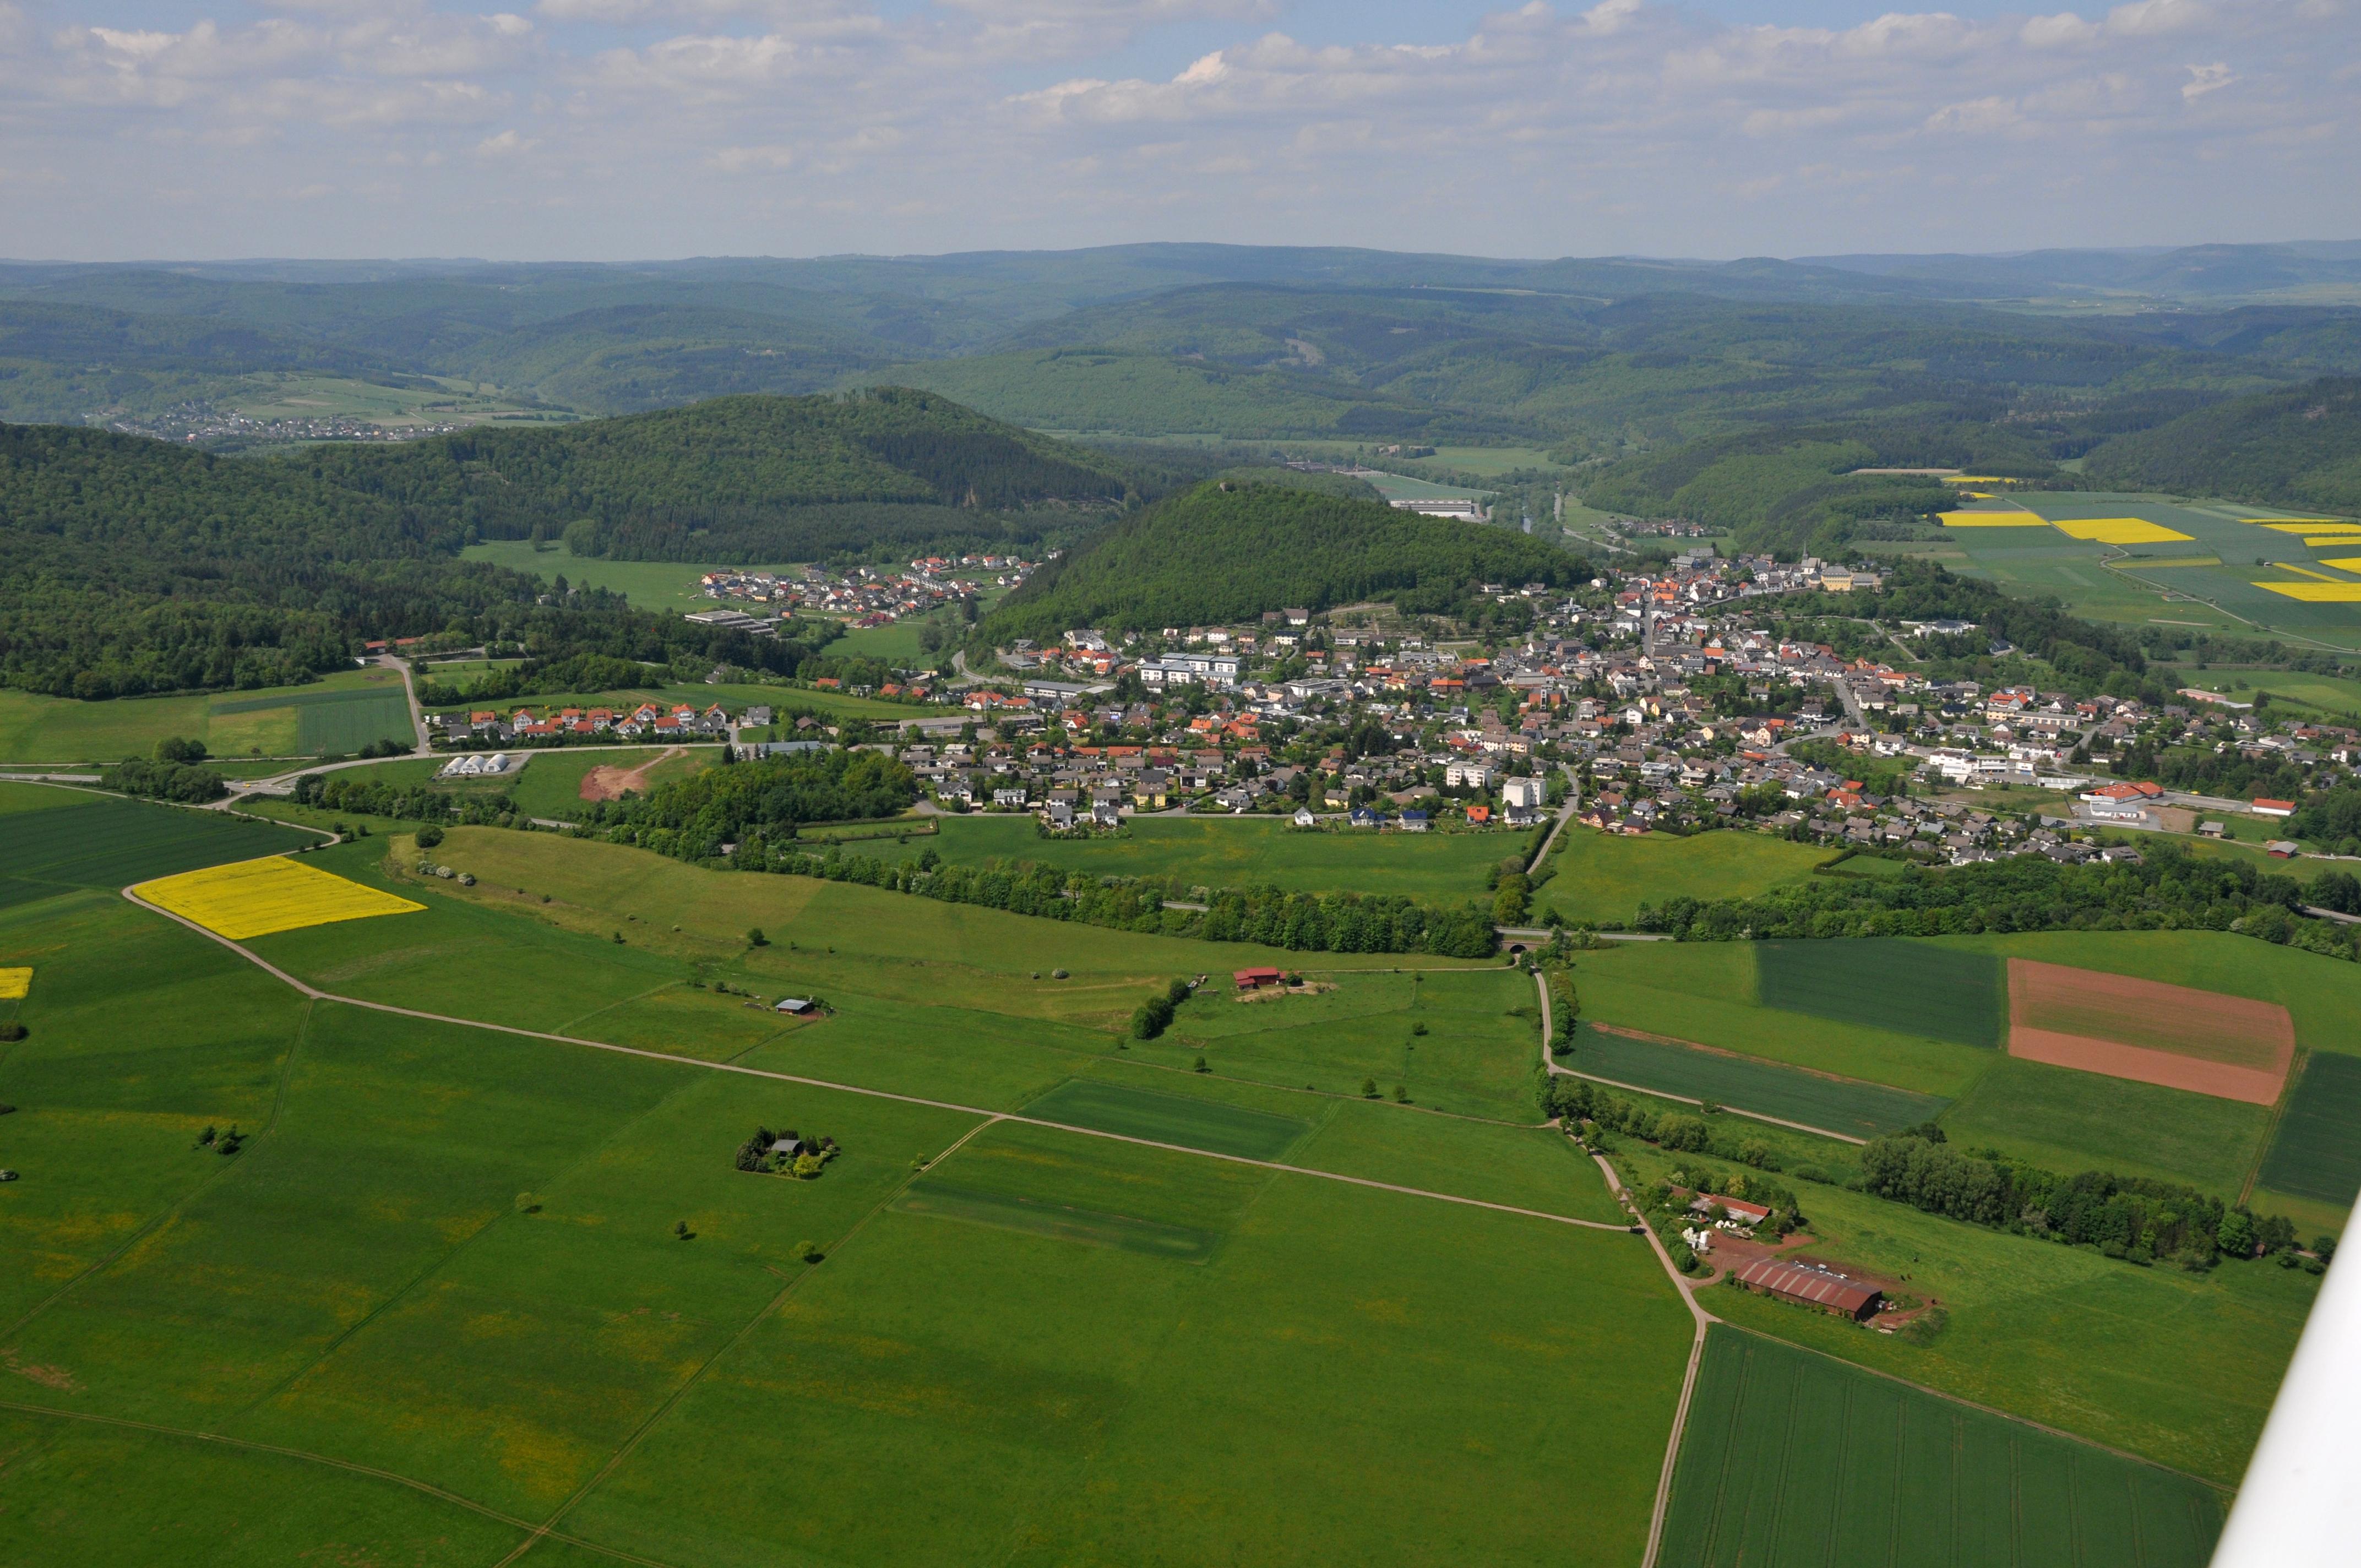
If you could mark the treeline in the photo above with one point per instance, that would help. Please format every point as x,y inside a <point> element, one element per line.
<point>750,803</point>
<point>413,802</point>
<point>746,467</point>
<point>2298,447</point>
<point>2169,889</point>
<point>1334,923</point>
<point>164,778</point>
<point>2126,1217</point>
<point>130,566</point>
<point>2214,773</point>
<point>2331,816</point>
<point>1577,1100</point>
<point>1230,551</point>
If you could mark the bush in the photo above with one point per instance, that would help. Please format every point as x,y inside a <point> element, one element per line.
<point>11,1031</point>
<point>1152,1018</point>
<point>428,836</point>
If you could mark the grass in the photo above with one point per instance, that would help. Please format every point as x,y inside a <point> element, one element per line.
<point>1794,1458</point>
<point>2068,1120</point>
<point>1837,1104</point>
<point>1704,991</point>
<point>276,723</point>
<point>452,1256</point>
<point>1602,879</point>
<point>2316,1152</point>
<point>1240,852</point>
<point>1917,988</point>
<point>100,841</point>
<point>649,585</point>
<point>1476,1057</point>
<point>2174,1367</point>
<point>550,784</point>
<point>1086,1398</point>
<point>1168,1119</point>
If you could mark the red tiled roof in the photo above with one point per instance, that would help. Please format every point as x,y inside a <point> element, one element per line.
<point>1820,1286</point>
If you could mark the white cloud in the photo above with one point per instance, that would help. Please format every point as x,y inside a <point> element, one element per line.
<point>2204,79</point>
<point>673,125</point>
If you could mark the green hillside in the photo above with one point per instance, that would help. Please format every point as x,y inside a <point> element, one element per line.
<point>2299,446</point>
<point>130,566</point>
<point>1226,550</point>
<point>1138,393</point>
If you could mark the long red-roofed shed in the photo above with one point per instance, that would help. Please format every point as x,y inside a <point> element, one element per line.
<point>1812,1285</point>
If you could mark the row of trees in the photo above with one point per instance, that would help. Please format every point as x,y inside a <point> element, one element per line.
<point>1338,923</point>
<point>2169,889</point>
<point>753,804</point>
<point>187,782</point>
<point>2126,1217</point>
<point>413,802</point>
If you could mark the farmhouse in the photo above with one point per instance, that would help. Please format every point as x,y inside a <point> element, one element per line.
<point>1810,1284</point>
<point>1255,979</point>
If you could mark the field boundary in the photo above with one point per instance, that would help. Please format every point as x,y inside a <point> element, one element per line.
<point>318,995</point>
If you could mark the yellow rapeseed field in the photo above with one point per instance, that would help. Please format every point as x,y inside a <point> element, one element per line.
<point>254,898</point>
<point>2318,593</point>
<point>2119,530</point>
<point>14,984</point>
<point>1991,520</point>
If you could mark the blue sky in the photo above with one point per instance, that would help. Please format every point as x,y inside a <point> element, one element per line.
<point>620,128</point>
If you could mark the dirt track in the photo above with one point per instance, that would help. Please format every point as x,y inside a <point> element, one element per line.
<point>604,783</point>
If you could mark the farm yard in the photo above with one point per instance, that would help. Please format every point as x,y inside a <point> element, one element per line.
<point>1792,1459</point>
<point>2056,1335</point>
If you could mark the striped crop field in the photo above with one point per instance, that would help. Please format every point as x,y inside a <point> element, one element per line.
<point>2316,1153</point>
<point>1168,1119</point>
<point>1792,1458</point>
<point>254,898</point>
<point>1844,1105</point>
<point>1912,987</point>
<point>87,840</point>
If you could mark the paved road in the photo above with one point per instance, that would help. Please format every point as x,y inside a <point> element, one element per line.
<point>420,747</point>
<point>1566,815</point>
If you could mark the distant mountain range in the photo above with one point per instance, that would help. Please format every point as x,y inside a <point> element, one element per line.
<point>1235,340</point>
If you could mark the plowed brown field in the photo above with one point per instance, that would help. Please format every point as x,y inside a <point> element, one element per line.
<point>2232,1047</point>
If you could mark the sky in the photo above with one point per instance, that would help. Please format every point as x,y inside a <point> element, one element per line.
<point>638,129</point>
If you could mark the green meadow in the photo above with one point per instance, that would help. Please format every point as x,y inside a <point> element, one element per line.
<point>1843,1105</point>
<point>458,1285</point>
<point>1601,879</point>
<point>649,585</point>
<point>1244,851</point>
<point>73,838</point>
<point>2316,1151</point>
<point>1845,1017</point>
<point>340,712</point>
<point>2175,1368</point>
<point>1792,1459</point>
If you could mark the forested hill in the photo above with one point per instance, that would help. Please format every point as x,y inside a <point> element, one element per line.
<point>1228,550</point>
<point>2299,446</point>
<point>131,565</point>
<point>737,469</point>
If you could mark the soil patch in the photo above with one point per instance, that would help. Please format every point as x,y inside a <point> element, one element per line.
<point>604,783</point>
<point>2232,1047</point>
